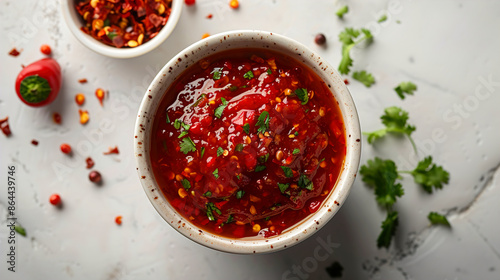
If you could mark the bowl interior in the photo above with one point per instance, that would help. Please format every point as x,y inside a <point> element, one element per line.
<point>239,40</point>
<point>75,22</point>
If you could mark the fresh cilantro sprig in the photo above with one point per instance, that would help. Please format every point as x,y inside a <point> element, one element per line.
<point>210,206</point>
<point>395,121</point>
<point>342,11</point>
<point>437,219</point>
<point>187,145</point>
<point>302,95</point>
<point>349,38</point>
<point>383,175</point>
<point>364,77</point>
<point>382,19</point>
<point>263,122</point>
<point>405,87</point>
<point>218,111</point>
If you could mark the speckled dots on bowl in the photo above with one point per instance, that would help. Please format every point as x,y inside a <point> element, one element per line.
<point>238,40</point>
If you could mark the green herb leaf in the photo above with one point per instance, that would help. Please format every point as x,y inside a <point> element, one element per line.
<point>168,119</point>
<point>184,133</point>
<point>382,175</point>
<point>283,187</point>
<point>288,171</point>
<point>208,194</point>
<point>429,175</point>
<point>218,111</point>
<point>248,75</point>
<point>210,206</point>
<point>19,229</point>
<point>305,183</point>
<point>233,88</point>
<point>246,128</point>
<point>388,230</point>
<point>342,11</point>
<point>230,219</point>
<point>220,151</point>
<point>437,219</point>
<point>302,95</point>
<point>405,87</point>
<point>296,133</point>
<point>239,194</point>
<point>239,147</point>
<point>347,37</point>
<point>202,152</point>
<point>263,159</point>
<point>177,123</point>
<point>217,73</point>
<point>395,120</point>
<point>364,77</point>
<point>263,122</point>
<point>187,145</point>
<point>296,151</point>
<point>216,173</point>
<point>202,96</point>
<point>269,71</point>
<point>382,19</point>
<point>260,168</point>
<point>186,184</point>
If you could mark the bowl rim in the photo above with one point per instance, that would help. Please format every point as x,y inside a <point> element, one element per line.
<point>72,20</point>
<point>206,47</point>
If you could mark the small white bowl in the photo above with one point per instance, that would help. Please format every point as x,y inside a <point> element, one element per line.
<point>237,40</point>
<point>74,22</point>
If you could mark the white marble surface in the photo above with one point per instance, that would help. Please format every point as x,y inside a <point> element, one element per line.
<point>448,47</point>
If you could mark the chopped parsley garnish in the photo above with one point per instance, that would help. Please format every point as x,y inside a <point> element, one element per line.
<point>382,175</point>
<point>302,95</point>
<point>202,152</point>
<point>186,184</point>
<point>347,38</point>
<point>260,168</point>
<point>263,122</point>
<point>296,151</point>
<point>218,110</point>
<point>202,96</point>
<point>220,151</point>
<point>305,183</point>
<point>437,219</point>
<point>208,194</point>
<point>288,171</point>
<point>283,187</point>
<point>184,133</point>
<point>239,147</point>
<point>342,11</point>
<point>263,159</point>
<point>238,176</point>
<point>382,19</point>
<point>269,71</point>
<point>217,73</point>
<point>296,133</point>
<point>239,194</point>
<point>177,124</point>
<point>187,145</point>
<point>210,209</point>
<point>246,128</point>
<point>233,88</point>
<point>248,75</point>
<point>267,218</point>
<point>216,173</point>
<point>276,205</point>
<point>394,120</point>
<point>230,219</point>
<point>429,175</point>
<point>388,230</point>
<point>405,87</point>
<point>168,119</point>
<point>364,77</point>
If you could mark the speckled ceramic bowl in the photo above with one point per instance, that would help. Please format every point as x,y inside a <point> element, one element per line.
<point>238,40</point>
<point>74,22</point>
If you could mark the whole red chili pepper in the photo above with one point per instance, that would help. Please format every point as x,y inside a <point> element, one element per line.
<point>38,83</point>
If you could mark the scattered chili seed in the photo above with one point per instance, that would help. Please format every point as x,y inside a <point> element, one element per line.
<point>45,49</point>
<point>82,81</point>
<point>14,52</point>
<point>84,116</point>
<point>118,220</point>
<point>65,148</point>
<point>4,125</point>
<point>56,118</point>
<point>190,2</point>
<point>80,99</point>
<point>320,39</point>
<point>95,177</point>
<point>206,35</point>
<point>34,142</point>
<point>55,199</point>
<point>90,162</point>
<point>100,93</point>
<point>234,4</point>
<point>112,151</point>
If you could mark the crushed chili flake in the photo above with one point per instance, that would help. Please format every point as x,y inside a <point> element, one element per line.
<point>4,125</point>
<point>124,23</point>
<point>80,99</point>
<point>90,162</point>
<point>112,151</point>
<point>83,81</point>
<point>206,35</point>
<point>118,220</point>
<point>100,94</point>
<point>34,142</point>
<point>210,16</point>
<point>14,52</point>
<point>346,81</point>
<point>190,2</point>
<point>84,116</point>
<point>234,4</point>
<point>56,118</point>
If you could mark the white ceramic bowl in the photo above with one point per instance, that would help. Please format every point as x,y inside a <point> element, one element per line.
<point>238,40</point>
<point>74,23</point>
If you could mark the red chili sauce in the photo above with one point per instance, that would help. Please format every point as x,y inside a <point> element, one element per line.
<point>247,142</point>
